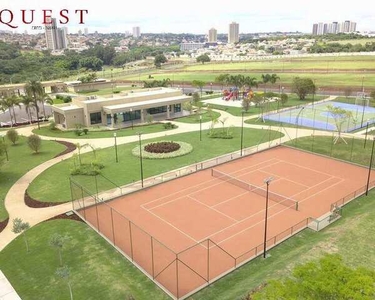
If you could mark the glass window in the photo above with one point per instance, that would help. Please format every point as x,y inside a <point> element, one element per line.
<point>96,118</point>
<point>129,116</point>
<point>177,108</point>
<point>157,110</point>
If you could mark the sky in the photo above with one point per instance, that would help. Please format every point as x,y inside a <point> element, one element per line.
<point>193,16</point>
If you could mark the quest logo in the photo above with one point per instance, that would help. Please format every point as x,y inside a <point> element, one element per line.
<point>42,17</point>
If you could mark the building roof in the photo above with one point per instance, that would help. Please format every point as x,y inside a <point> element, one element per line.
<point>145,104</point>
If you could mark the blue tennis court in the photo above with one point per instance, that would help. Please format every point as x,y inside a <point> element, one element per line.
<point>317,116</point>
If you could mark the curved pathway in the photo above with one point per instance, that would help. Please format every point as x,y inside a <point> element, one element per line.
<point>14,200</point>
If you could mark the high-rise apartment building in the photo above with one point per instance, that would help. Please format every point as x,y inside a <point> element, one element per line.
<point>334,28</point>
<point>136,32</point>
<point>234,33</point>
<point>212,35</point>
<point>315,29</point>
<point>55,37</point>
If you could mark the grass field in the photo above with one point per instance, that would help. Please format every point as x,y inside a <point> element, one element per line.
<point>127,170</point>
<point>333,63</point>
<point>152,128</point>
<point>194,118</point>
<point>22,160</point>
<point>356,41</point>
<point>99,272</point>
<point>321,79</point>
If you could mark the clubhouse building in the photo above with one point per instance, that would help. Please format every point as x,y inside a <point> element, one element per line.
<point>121,110</point>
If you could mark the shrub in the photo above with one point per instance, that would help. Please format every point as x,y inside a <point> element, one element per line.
<point>52,125</point>
<point>34,142</point>
<point>169,125</point>
<point>184,149</point>
<point>85,131</point>
<point>13,136</point>
<point>209,92</point>
<point>91,169</point>
<point>67,99</point>
<point>149,118</point>
<point>162,147</point>
<point>116,92</point>
<point>78,132</point>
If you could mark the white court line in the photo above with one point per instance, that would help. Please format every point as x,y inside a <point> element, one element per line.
<point>276,175</point>
<point>214,209</point>
<point>219,182</point>
<point>232,198</point>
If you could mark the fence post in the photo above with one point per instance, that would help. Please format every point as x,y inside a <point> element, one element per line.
<point>131,239</point>
<point>152,257</point>
<point>208,261</point>
<point>84,206</point>
<point>96,186</point>
<point>177,276</point>
<point>113,228</point>
<point>332,143</point>
<point>97,215</point>
<point>351,151</point>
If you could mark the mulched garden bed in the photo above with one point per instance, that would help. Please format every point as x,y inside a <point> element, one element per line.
<point>30,202</point>
<point>3,224</point>
<point>69,148</point>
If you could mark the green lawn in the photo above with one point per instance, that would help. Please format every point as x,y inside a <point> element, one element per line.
<point>293,100</point>
<point>127,170</point>
<point>97,270</point>
<point>22,160</point>
<point>194,118</point>
<point>321,79</point>
<point>354,41</point>
<point>95,134</point>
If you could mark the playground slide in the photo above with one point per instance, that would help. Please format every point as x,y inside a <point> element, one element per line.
<point>229,96</point>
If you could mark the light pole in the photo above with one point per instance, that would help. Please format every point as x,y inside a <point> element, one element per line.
<point>5,147</point>
<point>364,146</point>
<point>131,117</point>
<point>266,181</point>
<point>314,93</point>
<point>200,128</point>
<point>363,88</point>
<point>363,114</point>
<point>211,86</point>
<point>140,156</point>
<point>115,136</point>
<point>242,113</point>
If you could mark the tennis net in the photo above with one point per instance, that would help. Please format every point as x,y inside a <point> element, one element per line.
<point>255,189</point>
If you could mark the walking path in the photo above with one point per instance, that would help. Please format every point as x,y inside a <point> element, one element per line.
<point>14,200</point>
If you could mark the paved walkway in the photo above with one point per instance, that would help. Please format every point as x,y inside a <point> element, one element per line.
<point>14,200</point>
<point>7,292</point>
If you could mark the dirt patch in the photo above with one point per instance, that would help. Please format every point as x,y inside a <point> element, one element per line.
<point>3,224</point>
<point>30,202</point>
<point>70,147</point>
<point>73,217</point>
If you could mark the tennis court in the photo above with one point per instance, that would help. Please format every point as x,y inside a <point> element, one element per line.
<point>188,232</point>
<point>317,116</point>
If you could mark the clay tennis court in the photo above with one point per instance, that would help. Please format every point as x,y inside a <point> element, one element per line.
<point>187,232</point>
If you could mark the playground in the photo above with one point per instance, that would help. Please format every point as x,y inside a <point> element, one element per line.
<point>319,117</point>
<point>189,232</point>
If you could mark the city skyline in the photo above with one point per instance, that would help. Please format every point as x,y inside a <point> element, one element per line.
<point>274,17</point>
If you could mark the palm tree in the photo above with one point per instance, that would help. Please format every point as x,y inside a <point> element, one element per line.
<point>265,79</point>
<point>35,90</point>
<point>6,104</point>
<point>14,101</point>
<point>28,104</point>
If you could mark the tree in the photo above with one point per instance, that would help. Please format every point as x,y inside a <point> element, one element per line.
<point>35,91</point>
<point>284,99</point>
<point>20,227</point>
<point>302,87</point>
<point>13,101</point>
<point>246,104</point>
<point>34,142</point>
<point>203,58</point>
<point>58,241</point>
<point>188,107</point>
<point>91,63</point>
<point>341,116</point>
<point>28,103</point>
<point>159,60</point>
<point>327,278</point>
<point>222,79</point>
<point>196,98</point>
<point>157,83</point>
<point>348,92</point>
<point>6,105</point>
<point>198,84</point>
<point>12,135</point>
<point>64,274</point>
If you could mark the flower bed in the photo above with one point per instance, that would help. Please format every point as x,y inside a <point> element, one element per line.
<point>182,149</point>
